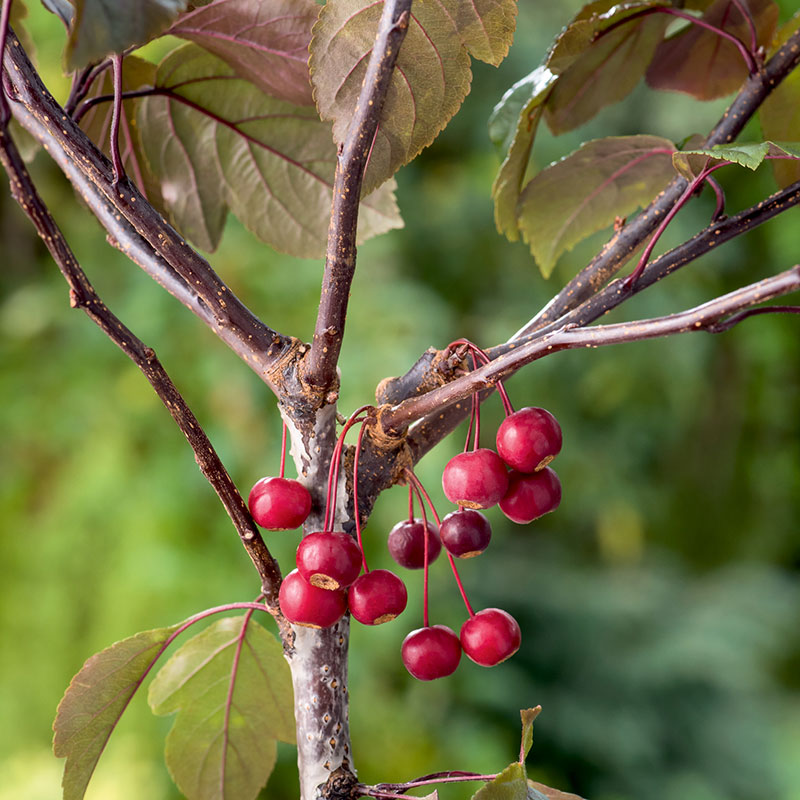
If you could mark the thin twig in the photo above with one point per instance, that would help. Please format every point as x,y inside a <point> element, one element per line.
<point>116,113</point>
<point>83,295</point>
<point>340,258</point>
<point>710,315</point>
<point>90,171</point>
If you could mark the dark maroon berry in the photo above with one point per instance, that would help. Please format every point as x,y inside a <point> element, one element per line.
<point>430,653</point>
<point>490,636</point>
<point>279,504</point>
<point>529,439</point>
<point>329,559</point>
<point>475,479</point>
<point>531,496</point>
<point>465,533</point>
<point>376,597</point>
<point>304,604</point>
<point>407,543</point>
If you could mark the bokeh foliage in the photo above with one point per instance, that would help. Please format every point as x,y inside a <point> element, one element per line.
<point>658,604</point>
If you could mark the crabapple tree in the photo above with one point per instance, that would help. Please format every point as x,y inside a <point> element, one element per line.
<point>294,116</point>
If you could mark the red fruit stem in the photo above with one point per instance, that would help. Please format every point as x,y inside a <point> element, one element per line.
<point>501,389</point>
<point>355,494</point>
<point>283,450</point>
<point>477,441</point>
<point>333,471</point>
<point>425,622</point>
<point>472,414</point>
<point>748,18</point>
<point>410,503</point>
<point>420,488</point>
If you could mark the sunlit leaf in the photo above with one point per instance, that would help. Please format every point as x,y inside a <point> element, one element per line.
<point>587,190</point>
<point>701,63</point>
<point>779,114</point>
<point>265,41</point>
<point>548,793</point>
<point>96,123</point>
<point>217,142</point>
<point>102,27</point>
<point>528,715</point>
<point>597,69</point>
<point>233,693</point>
<point>512,127</point>
<point>95,700</point>
<point>432,74</point>
<point>510,784</point>
<point>749,155</point>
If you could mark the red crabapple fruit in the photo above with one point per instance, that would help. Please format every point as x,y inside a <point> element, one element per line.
<point>490,636</point>
<point>465,533</point>
<point>531,496</point>
<point>475,479</point>
<point>329,559</point>
<point>304,604</point>
<point>279,504</point>
<point>377,597</point>
<point>407,543</point>
<point>529,439</point>
<point>432,652</point>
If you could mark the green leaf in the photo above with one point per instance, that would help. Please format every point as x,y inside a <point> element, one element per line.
<point>233,693</point>
<point>749,155</point>
<point>586,191</point>
<point>528,715</point>
<point>431,78</point>
<point>510,784</point>
<point>96,123</point>
<point>217,142</point>
<point>596,72</point>
<point>102,27</point>
<point>543,792</point>
<point>779,114</point>
<point>265,42</point>
<point>524,104</point>
<point>701,63</point>
<point>95,700</point>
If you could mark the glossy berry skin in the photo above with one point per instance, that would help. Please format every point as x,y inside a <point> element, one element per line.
<point>465,533</point>
<point>531,496</point>
<point>329,559</point>
<point>377,597</point>
<point>304,604</point>
<point>432,652</point>
<point>529,439</point>
<point>475,479</point>
<point>490,636</point>
<point>407,543</point>
<point>279,504</point>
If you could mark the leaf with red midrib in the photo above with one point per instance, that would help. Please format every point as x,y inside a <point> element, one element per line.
<point>265,41</point>
<point>699,62</point>
<point>431,77</point>
<point>233,693</point>
<point>585,192</point>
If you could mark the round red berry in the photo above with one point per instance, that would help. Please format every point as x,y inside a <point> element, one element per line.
<point>407,543</point>
<point>304,604</point>
<point>529,439</point>
<point>432,652</point>
<point>329,559</point>
<point>279,504</point>
<point>490,636</point>
<point>465,533</point>
<point>475,479</point>
<point>531,496</point>
<point>377,597</point>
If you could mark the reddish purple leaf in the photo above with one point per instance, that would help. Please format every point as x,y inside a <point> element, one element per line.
<point>265,41</point>
<point>701,63</point>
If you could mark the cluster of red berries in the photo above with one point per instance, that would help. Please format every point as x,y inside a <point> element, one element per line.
<point>329,581</point>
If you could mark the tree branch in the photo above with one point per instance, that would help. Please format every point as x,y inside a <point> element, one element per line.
<point>340,258</point>
<point>626,241</point>
<point>173,261</point>
<point>83,295</point>
<point>713,316</point>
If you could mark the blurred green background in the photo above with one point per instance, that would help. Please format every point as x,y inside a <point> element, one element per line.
<point>658,604</point>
